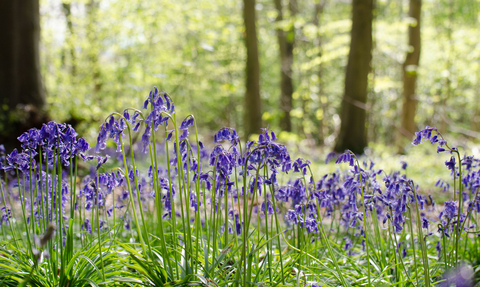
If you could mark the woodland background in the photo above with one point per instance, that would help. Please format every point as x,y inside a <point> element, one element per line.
<point>248,64</point>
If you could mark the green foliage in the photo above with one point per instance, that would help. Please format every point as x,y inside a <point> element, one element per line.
<point>195,49</point>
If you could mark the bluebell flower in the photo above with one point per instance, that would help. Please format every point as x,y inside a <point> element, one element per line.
<point>451,164</point>
<point>227,134</point>
<point>87,226</point>
<point>345,157</point>
<point>425,222</point>
<point>291,216</point>
<point>101,161</point>
<point>348,243</point>
<point>450,210</point>
<point>438,247</point>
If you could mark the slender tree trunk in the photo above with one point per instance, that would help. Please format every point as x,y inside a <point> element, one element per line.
<point>323,106</point>
<point>371,124</point>
<point>286,43</point>
<point>92,8</point>
<point>253,109</point>
<point>22,98</point>
<point>449,64</point>
<point>352,134</point>
<point>410,66</point>
<point>68,16</point>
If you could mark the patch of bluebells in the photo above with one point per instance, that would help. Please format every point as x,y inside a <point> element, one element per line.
<point>44,195</point>
<point>264,162</point>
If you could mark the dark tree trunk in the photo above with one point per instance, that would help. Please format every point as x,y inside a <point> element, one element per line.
<point>410,66</point>
<point>352,134</point>
<point>22,98</point>
<point>286,43</point>
<point>253,110</point>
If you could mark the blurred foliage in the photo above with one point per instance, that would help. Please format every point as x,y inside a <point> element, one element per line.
<point>116,50</point>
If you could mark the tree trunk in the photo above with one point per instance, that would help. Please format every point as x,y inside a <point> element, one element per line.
<point>22,98</point>
<point>322,122</point>
<point>286,43</point>
<point>448,94</point>
<point>92,8</point>
<point>352,134</point>
<point>253,110</point>
<point>68,16</point>
<point>410,67</point>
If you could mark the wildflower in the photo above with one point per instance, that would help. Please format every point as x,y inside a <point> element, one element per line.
<point>438,247</point>
<point>227,134</point>
<point>451,164</point>
<point>345,157</point>
<point>101,161</point>
<point>450,211</point>
<point>425,134</point>
<point>425,222</point>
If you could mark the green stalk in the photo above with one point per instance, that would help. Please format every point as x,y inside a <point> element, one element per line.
<point>136,187</point>
<point>399,254</point>
<point>187,198</point>
<point>365,218</point>
<point>49,216</point>
<point>233,218</point>
<point>410,224</point>
<point>422,241</point>
<point>21,189</point>
<point>186,225</point>
<point>445,261</point>
<point>245,243</point>
<point>73,189</point>
<point>131,197</point>
<point>394,252</point>
<point>197,190</point>
<point>250,217</point>
<point>277,225</point>
<point>172,203</point>
<point>257,258</point>
<point>460,206</point>
<point>269,250</point>
<point>43,193</point>
<point>212,210</point>
<point>378,236</point>
<point>158,195</point>
<point>32,217</point>
<point>327,242</point>
<point>10,223</point>
<point>158,204</point>
<point>98,229</point>
<point>225,206</point>
<point>59,213</point>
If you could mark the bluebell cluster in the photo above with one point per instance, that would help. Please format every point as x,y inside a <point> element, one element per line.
<point>228,177</point>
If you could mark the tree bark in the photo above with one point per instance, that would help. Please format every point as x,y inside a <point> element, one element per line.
<point>286,43</point>
<point>410,66</point>
<point>22,98</point>
<point>253,110</point>
<point>352,134</point>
